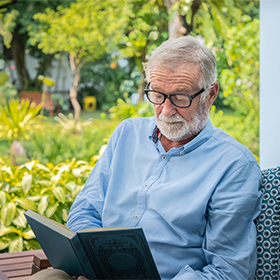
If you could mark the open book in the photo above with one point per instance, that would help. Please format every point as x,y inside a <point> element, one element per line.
<point>96,253</point>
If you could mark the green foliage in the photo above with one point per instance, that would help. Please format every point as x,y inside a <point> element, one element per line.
<point>209,18</point>
<point>108,81</point>
<point>3,78</point>
<point>240,80</point>
<point>47,189</point>
<point>147,27</point>
<point>80,30</point>
<point>54,145</point>
<point>69,126</point>
<point>20,45</point>
<point>18,119</point>
<point>249,7</point>
<point>61,101</point>
<point>7,24</point>
<point>124,110</point>
<point>238,127</point>
<point>7,91</point>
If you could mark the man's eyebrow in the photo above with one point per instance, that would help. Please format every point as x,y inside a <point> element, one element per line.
<point>183,90</point>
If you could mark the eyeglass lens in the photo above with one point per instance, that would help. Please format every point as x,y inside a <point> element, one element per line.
<point>176,99</point>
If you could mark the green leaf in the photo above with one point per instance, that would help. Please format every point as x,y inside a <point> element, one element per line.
<point>59,194</point>
<point>28,234</point>
<point>8,230</point>
<point>17,119</point>
<point>77,191</point>
<point>42,167</point>
<point>51,210</point>
<point>26,183</point>
<point>16,245</point>
<point>4,242</point>
<point>3,199</point>
<point>71,186</point>
<point>32,244</point>
<point>8,213</point>
<point>77,172</point>
<point>20,220</point>
<point>44,183</point>
<point>26,204</point>
<point>30,165</point>
<point>64,215</point>
<point>34,197</point>
<point>43,204</point>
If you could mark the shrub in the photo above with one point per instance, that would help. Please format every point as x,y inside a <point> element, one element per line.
<point>239,127</point>
<point>125,109</point>
<point>18,118</point>
<point>47,189</point>
<point>55,145</point>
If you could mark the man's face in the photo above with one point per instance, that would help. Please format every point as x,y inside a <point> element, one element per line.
<point>178,124</point>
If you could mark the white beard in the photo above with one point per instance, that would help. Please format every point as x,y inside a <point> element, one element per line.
<point>176,128</point>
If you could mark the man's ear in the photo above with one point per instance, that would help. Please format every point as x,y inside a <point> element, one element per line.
<point>210,98</point>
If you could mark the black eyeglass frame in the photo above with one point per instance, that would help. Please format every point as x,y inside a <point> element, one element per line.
<point>169,96</point>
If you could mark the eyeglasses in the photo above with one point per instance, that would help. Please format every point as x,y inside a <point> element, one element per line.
<point>179,100</point>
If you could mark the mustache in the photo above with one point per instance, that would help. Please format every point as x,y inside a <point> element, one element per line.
<point>172,119</point>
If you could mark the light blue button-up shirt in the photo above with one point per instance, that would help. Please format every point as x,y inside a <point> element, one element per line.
<point>196,203</point>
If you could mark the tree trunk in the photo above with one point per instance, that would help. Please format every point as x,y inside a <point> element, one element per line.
<point>74,88</point>
<point>178,26</point>
<point>142,80</point>
<point>44,64</point>
<point>189,26</point>
<point>141,87</point>
<point>16,53</point>
<point>175,28</point>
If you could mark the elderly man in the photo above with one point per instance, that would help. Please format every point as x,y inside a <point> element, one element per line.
<point>192,188</point>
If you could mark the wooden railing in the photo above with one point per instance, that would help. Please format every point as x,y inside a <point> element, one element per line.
<point>20,266</point>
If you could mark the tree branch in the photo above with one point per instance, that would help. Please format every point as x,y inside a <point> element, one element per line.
<point>195,7</point>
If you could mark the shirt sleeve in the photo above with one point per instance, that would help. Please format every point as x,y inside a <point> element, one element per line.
<point>229,244</point>
<point>86,211</point>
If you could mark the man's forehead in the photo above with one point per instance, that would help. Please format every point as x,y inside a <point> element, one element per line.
<point>183,77</point>
<point>175,68</point>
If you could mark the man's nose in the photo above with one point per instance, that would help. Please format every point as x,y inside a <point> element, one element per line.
<point>168,109</point>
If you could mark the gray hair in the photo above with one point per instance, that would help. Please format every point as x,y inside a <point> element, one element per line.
<point>185,50</point>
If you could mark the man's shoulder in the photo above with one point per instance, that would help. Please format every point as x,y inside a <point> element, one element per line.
<point>231,145</point>
<point>140,120</point>
<point>135,127</point>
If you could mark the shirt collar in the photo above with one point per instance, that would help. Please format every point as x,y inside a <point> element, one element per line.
<point>201,138</point>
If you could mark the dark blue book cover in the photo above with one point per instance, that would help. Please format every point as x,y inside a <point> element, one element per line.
<point>95,253</point>
<point>119,254</point>
<point>57,243</point>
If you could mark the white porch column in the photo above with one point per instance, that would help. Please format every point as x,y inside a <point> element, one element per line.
<point>269,83</point>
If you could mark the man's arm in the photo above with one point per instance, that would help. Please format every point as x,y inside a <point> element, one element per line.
<point>230,238</point>
<point>86,210</point>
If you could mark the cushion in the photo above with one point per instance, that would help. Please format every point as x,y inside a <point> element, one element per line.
<point>268,227</point>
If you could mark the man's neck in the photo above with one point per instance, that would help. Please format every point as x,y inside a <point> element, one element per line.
<point>168,144</point>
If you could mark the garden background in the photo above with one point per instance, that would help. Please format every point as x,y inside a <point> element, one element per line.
<point>44,161</point>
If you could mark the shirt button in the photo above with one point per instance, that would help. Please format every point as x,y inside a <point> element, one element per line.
<point>136,217</point>
<point>183,153</point>
<point>146,185</point>
<point>164,157</point>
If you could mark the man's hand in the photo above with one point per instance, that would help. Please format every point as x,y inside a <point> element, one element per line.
<point>79,278</point>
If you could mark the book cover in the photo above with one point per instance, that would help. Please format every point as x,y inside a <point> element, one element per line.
<point>95,253</point>
<point>60,245</point>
